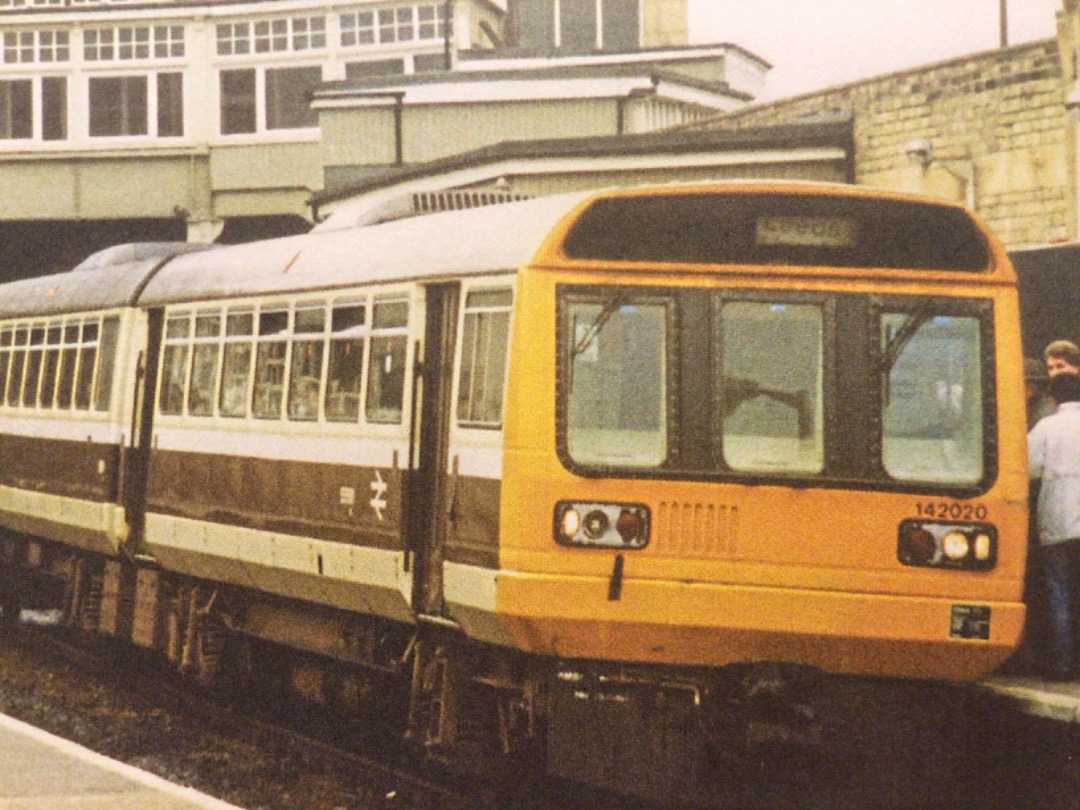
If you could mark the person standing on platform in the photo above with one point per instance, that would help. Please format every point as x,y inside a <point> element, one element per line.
<point>1054,462</point>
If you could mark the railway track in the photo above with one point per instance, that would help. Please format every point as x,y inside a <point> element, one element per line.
<point>375,778</point>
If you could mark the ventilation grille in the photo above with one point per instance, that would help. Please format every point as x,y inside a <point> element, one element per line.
<point>430,202</point>
<point>695,529</point>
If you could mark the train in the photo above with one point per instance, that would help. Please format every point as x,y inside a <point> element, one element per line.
<point>612,482</point>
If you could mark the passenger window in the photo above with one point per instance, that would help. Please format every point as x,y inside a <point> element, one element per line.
<point>84,377</point>
<point>386,368</point>
<point>52,364</point>
<point>346,362</point>
<point>305,371</point>
<point>771,400</point>
<point>18,364</point>
<point>174,363</point>
<point>236,363</point>
<point>5,358</point>
<point>33,366</point>
<point>268,396</point>
<point>483,357</point>
<point>204,363</point>
<point>65,387</point>
<point>110,335</point>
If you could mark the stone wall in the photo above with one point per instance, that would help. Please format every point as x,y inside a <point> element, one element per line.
<point>999,135</point>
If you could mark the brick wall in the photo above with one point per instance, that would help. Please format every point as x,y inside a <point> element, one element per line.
<point>994,118</point>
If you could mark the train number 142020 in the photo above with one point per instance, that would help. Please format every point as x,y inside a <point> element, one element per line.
<point>944,510</point>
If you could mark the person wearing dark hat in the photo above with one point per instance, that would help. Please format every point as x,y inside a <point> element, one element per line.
<point>1039,401</point>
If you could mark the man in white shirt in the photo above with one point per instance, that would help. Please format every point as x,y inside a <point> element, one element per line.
<point>1054,460</point>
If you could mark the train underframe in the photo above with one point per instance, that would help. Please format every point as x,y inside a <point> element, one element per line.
<point>657,733</point>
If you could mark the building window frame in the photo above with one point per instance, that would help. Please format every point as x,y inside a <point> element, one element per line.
<point>17,109</point>
<point>303,33</point>
<point>149,103</point>
<point>252,102</point>
<point>392,25</point>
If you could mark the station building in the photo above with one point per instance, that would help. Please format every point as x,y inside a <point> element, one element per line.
<point>168,119</point>
<point>174,120</point>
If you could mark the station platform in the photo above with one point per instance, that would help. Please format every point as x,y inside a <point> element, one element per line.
<point>1052,700</point>
<point>39,771</point>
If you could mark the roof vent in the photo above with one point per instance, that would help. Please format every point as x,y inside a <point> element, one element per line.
<point>430,202</point>
<point>405,205</point>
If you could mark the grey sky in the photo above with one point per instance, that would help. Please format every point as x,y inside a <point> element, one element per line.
<point>817,43</point>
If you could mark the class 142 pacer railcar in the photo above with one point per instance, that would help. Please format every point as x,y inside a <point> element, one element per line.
<point>575,480</point>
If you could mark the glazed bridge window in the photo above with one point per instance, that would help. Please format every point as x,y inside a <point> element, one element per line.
<point>26,103</point>
<point>121,105</point>
<point>58,364</point>
<point>35,46</point>
<point>16,109</point>
<point>618,382</point>
<point>281,100</point>
<point>483,357</point>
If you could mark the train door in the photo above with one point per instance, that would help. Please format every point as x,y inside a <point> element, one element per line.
<point>430,492</point>
<point>137,453</point>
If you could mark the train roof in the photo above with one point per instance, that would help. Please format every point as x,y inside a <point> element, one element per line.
<point>479,241</point>
<point>109,278</point>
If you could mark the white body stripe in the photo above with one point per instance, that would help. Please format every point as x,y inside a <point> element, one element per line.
<point>347,576</point>
<point>471,594</point>
<point>106,519</point>
<point>478,462</point>
<point>64,427</point>
<point>273,443</point>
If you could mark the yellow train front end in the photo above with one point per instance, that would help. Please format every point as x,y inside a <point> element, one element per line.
<point>790,451</point>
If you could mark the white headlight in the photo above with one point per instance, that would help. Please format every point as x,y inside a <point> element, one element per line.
<point>571,522</point>
<point>955,545</point>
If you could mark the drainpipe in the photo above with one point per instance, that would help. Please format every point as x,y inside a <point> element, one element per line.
<point>399,134</point>
<point>448,34</point>
<point>398,97</point>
